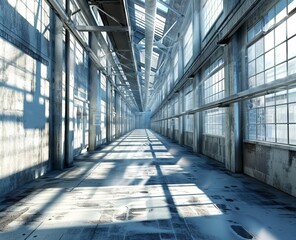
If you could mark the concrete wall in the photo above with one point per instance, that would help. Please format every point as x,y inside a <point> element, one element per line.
<point>188,139</point>
<point>273,165</point>
<point>25,81</point>
<point>143,120</point>
<point>213,147</point>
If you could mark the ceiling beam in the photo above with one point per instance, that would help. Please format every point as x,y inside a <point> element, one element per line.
<point>102,28</point>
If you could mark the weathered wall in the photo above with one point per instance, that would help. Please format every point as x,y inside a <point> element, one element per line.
<point>272,165</point>
<point>213,147</point>
<point>143,120</point>
<point>188,139</point>
<point>25,65</point>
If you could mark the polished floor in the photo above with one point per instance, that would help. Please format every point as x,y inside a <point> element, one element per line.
<point>143,186</point>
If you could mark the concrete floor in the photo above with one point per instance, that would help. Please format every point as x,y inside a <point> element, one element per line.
<point>143,186</point>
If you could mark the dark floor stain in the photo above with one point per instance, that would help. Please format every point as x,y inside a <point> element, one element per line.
<point>264,194</point>
<point>289,208</point>
<point>216,197</point>
<point>269,203</point>
<point>229,199</point>
<point>222,207</point>
<point>144,192</point>
<point>241,231</point>
<point>10,217</point>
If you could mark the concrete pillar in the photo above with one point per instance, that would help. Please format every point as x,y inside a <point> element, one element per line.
<point>233,135</point>
<point>69,96</point>
<point>108,110</point>
<point>180,58</point>
<point>94,89</point>
<point>181,119</point>
<point>117,116</point>
<point>58,92</point>
<point>197,141</point>
<point>111,112</point>
<point>196,122</point>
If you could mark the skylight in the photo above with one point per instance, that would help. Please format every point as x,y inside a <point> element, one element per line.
<point>140,16</point>
<point>154,62</point>
<point>159,25</point>
<point>161,7</point>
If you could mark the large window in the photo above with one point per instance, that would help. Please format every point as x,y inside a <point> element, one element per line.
<point>188,44</point>
<point>188,105</point>
<point>211,9</point>
<point>188,97</point>
<point>176,70</point>
<point>272,57</point>
<point>213,90</point>
<point>176,111</point>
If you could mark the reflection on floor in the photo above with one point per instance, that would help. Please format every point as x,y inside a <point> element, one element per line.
<point>143,186</point>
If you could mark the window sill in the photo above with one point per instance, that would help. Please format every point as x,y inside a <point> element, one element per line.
<point>271,144</point>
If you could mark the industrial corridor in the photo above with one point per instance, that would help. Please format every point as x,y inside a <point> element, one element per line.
<point>143,186</point>
<point>147,119</point>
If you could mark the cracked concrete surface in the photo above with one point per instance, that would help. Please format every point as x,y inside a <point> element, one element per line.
<point>143,186</point>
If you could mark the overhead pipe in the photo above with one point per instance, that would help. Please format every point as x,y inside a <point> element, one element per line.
<point>150,17</point>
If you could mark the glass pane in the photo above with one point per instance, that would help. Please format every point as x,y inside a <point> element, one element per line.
<point>252,82</point>
<point>281,97</point>
<point>291,25</point>
<point>269,59</point>
<point>292,134</point>
<point>292,47</point>
<point>251,70</point>
<point>261,132</point>
<point>280,53</point>
<point>281,71</point>
<point>281,114</point>
<point>251,34</point>
<point>259,79</point>
<point>281,133</point>
<point>269,75</point>
<point>292,95</point>
<point>291,5</point>
<point>280,10</point>
<point>270,132</point>
<point>270,99</point>
<point>292,113</point>
<point>280,33</point>
<point>260,115</point>
<point>269,19</point>
<point>258,28</point>
<point>259,64</point>
<point>292,66</point>
<point>269,41</point>
<point>252,131</point>
<point>259,47</point>
<point>252,116</point>
<point>259,101</point>
<point>270,115</point>
<point>251,53</point>
<point>250,103</point>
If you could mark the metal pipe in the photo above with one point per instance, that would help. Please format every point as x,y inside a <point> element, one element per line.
<point>259,91</point>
